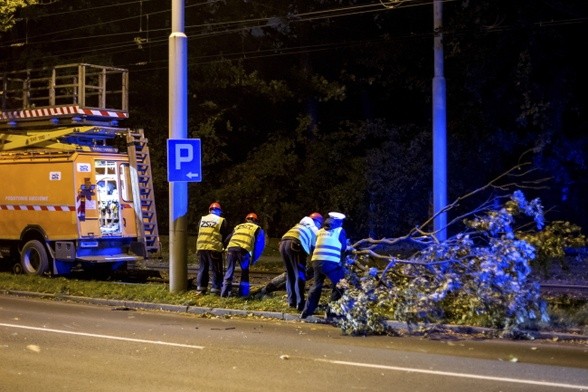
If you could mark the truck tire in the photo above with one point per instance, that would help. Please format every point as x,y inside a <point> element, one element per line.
<point>34,259</point>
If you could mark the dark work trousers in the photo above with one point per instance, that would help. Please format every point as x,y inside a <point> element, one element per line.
<point>210,261</point>
<point>234,256</point>
<point>323,269</point>
<point>294,258</point>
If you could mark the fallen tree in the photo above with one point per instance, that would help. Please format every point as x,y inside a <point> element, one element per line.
<point>480,275</point>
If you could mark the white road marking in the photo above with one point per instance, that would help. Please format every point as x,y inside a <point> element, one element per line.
<point>357,364</point>
<point>462,375</point>
<point>93,335</point>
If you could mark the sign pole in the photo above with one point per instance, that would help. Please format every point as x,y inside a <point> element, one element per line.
<point>178,123</point>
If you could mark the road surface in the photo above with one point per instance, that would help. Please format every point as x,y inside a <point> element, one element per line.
<point>58,346</point>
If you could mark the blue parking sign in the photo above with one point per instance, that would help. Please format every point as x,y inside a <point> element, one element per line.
<point>184,160</point>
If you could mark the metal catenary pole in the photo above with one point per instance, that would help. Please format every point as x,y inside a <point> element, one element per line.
<point>178,120</point>
<point>439,127</point>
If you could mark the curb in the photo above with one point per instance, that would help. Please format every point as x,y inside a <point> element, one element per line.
<point>123,304</point>
<point>399,326</point>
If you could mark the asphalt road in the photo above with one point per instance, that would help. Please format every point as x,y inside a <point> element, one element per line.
<point>58,346</point>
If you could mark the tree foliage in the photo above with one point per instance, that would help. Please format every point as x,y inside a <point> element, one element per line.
<point>551,243</point>
<point>7,10</point>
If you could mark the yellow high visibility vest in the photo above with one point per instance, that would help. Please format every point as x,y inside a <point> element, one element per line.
<point>244,236</point>
<point>328,246</point>
<point>303,234</point>
<point>209,235</point>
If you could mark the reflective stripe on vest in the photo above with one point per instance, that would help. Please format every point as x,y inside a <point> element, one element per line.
<point>209,236</point>
<point>303,234</point>
<point>328,247</point>
<point>243,236</point>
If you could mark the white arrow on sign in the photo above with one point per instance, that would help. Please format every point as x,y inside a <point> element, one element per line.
<point>192,175</point>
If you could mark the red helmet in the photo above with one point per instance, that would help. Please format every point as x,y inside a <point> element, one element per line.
<point>316,217</point>
<point>252,216</point>
<point>214,206</point>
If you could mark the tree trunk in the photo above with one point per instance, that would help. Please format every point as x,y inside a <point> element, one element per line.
<point>277,283</point>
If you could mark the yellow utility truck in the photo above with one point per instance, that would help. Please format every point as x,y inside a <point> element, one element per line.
<point>76,188</point>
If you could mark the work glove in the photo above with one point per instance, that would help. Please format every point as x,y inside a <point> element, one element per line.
<point>349,261</point>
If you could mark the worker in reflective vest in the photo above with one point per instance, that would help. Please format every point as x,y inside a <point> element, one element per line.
<point>246,244</point>
<point>327,261</point>
<point>212,234</point>
<point>295,247</point>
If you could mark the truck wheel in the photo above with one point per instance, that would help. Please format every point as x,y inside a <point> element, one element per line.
<point>33,258</point>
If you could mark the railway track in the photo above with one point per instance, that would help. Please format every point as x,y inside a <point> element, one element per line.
<point>154,271</point>
<point>570,289</point>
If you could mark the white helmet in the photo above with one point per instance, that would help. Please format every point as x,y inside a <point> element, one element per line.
<point>308,222</point>
<point>336,215</point>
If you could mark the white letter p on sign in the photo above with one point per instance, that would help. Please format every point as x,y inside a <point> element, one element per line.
<point>184,154</point>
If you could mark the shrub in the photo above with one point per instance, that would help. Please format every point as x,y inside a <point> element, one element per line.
<point>551,242</point>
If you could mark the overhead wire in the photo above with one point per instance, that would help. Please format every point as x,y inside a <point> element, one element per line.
<point>300,17</point>
<point>243,25</point>
<point>306,16</point>
<point>104,23</point>
<point>220,28</point>
<point>86,9</point>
